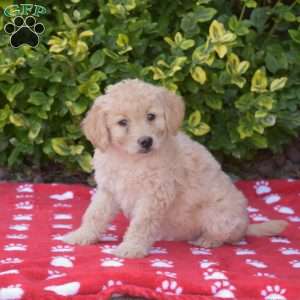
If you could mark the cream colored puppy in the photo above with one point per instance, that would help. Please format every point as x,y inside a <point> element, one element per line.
<point>170,187</point>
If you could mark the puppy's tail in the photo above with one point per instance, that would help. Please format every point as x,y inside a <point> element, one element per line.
<point>268,228</point>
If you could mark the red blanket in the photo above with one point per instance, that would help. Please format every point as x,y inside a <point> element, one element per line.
<point>36,264</point>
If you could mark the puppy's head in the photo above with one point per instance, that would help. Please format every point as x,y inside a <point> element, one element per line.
<point>133,116</point>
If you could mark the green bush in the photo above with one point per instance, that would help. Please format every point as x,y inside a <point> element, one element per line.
<point>237,64</point>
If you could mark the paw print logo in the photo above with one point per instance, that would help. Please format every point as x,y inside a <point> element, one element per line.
<point>12,292</point>
<point>27,205</point>
<point>108,249</point>
<point>169,287</point>
<point>223,289</point>
<point>162,263</point>
<point>212,274</point>
<point>108,237</point>
<point>273,292</point>
<point>11,260</point>
<point>272,198</point>
<point>19,227</point>
<point>111,283</point>
<point>112,262</point>
<point>158,250</point>
<point>24,31</point>
<point>269,275</point>
<point>241,251</point>
<point>204,263</point>
<point>258,217</point>
<point>22,217</point>
<point>23,188</point>
<point>200,251</point>
<point>62,248</point>
<point>55,274</point>
<point>262,187</point>
<point>279,239</point>
<point>295,263</point>
<point>289,251</point>
<point>255,263</point>
<point>17,236</point>
<point>15,247</point>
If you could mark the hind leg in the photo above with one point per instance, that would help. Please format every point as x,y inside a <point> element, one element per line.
<point>221,226</point>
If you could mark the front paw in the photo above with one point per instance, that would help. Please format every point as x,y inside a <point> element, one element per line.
<point>79,237</point>
<point>128,250</point>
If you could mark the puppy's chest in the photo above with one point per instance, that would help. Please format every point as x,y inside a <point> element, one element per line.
<point>129,188</point>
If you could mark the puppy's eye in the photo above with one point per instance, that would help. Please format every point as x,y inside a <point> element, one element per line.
<point>151,117</point>
<point>123,123</point>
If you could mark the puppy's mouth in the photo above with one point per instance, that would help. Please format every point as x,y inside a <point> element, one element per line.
<point>144,151</point>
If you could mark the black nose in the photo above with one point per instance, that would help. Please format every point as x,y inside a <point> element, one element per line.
<point>145,142</point>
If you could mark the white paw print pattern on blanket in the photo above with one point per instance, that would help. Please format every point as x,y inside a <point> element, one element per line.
<point>11,260</point>
<point>255,263</point>
<point>24,205</point>
<point>25,188</point>
<point>158,250</point>
<point>274,292</point>
<point>200,251</point>
<point>62,248</point>
<point>62,261</point>
<point>211,274</point>
<point>279,239</point>
<point>294,219</point>
<point>108,249</point>
<point>242,251</point>
<point>17,236</point>
<point>15,247</point>
<point>69,195</point>
<point>67,289</point>
<point>62,217</point>
<point>112,262</point>
<point>11,292</point>
<point>110,283</point>
<point>205,263</point>
<point>108,237</point>
<point>170,287</point>
<point>19,227</point>
<point>284,210</point>
<point>295,263</point>
<point>289,251</point>
<point>265,274</point>
<point>9,272</point>
<point>272,198</point>
<point>167,274</point>
<point>262,187</point>
<point>162,263</point>
<point>223,289</point>
<point>257,217</point>
<point>53,274</point>
<point>22,217</point>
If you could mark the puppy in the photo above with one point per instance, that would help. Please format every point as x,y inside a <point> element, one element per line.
<point>170,187</point>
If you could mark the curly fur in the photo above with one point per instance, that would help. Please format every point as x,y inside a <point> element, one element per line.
<point>177,191</point>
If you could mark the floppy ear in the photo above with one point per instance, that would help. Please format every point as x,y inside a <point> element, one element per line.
<point>174,111</point>
<point>94,126</point>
